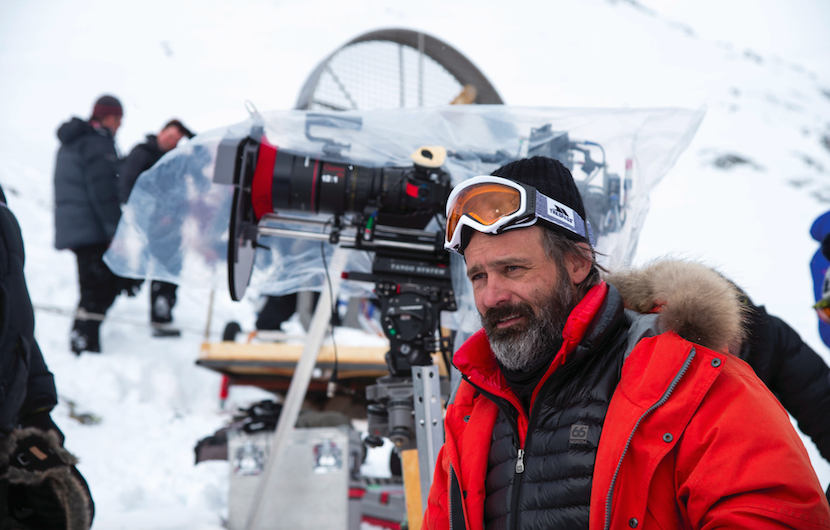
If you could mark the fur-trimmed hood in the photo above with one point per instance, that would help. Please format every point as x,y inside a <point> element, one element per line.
<point>691,299</point>
<point>22,457</point>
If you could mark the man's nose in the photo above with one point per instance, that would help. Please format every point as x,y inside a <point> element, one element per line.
<point>495,293</point>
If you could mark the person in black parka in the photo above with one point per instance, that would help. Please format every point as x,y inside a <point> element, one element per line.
<point>40,488</point>
<point>796,374</point>
<point>140,159</point>
<point>87,212</point>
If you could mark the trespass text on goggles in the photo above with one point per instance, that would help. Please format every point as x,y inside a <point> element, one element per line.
<point>493,205</point>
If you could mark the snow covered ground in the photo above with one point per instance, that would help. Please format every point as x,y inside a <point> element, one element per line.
<point>761,68</point>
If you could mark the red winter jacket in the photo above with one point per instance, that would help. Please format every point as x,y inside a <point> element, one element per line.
<point>714,450</point>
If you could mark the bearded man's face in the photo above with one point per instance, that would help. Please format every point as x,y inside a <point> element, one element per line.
<point>537,335</point>
<point>523,297</point>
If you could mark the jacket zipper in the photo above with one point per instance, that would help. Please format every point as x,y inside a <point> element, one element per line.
<point>508,408</point>
<point>520,459</point>
<point>660,402</point>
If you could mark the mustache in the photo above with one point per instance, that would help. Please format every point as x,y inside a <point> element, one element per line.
<point>494,315</point>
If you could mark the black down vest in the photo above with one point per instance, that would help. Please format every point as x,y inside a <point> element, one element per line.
<point>554,488</point>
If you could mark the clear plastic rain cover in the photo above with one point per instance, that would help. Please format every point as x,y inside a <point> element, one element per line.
<point>175,225</point>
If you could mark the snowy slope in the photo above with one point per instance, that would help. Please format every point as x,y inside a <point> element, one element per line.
<point>762,72</point>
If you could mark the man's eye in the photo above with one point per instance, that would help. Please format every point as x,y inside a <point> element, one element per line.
<point>511,268</point>
<point>475,277</point>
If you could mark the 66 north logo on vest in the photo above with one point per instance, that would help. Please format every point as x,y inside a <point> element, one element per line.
<point>579,434</point>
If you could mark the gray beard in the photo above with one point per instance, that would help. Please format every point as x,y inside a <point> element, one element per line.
<point>520,348</point>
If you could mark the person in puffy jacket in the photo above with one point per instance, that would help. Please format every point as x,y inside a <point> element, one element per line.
<point>591,403</point>
<point>791,369</point>
<point>40,488</point>
<point>87,212</point>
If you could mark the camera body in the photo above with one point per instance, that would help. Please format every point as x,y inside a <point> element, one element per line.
<point>381,209</point>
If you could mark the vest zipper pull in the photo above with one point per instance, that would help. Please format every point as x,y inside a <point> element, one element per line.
<point>520,462</point>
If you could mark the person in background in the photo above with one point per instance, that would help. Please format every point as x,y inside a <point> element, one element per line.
<point>793,371</point>
<point>140,159</point>
<point>87,213</point>
<point>602,403</point>
<point>40,488</point>
<point>820,231</point>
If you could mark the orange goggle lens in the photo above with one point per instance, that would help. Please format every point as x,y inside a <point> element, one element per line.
<point>486,203</point>
<point>823,313</point>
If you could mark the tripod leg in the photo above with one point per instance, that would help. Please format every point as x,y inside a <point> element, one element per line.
<point>429,423</point>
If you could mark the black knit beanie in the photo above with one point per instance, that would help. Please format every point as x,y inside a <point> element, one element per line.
<point>550,178</point>
<point>106,106</point>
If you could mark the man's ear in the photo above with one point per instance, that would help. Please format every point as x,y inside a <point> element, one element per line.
<point>579,267</point>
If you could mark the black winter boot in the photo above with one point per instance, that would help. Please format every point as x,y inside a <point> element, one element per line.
<point>84,337</point>
<point>162,300</point>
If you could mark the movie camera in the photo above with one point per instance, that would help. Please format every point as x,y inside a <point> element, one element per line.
<point>385,210</point>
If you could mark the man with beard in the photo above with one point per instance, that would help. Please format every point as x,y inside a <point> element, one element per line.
<point>602,404</point>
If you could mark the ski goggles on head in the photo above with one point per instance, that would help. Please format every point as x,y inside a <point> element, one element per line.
<point>492,205</point>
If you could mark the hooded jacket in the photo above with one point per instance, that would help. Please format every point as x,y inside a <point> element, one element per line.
<point>86,186</point>
<point>691,438</point>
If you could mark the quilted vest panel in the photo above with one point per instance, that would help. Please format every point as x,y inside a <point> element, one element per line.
<point>554,490</point>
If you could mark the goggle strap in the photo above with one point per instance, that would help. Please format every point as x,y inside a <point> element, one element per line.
<point>557,213</point>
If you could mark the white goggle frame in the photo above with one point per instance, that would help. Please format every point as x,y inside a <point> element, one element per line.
<point>549,210</point>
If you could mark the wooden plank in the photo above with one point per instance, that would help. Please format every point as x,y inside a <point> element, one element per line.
<point>412,488</point>
<point>286,369</point>
<point>280,352</point>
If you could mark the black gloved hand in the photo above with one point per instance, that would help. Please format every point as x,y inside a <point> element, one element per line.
<point>129,286</point>
<point>44,489</point>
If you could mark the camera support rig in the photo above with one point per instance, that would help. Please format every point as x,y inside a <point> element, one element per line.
<point>389,209</point>
<point>411,294</point>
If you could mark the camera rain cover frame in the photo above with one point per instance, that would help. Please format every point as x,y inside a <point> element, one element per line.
<point>174,226</point>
